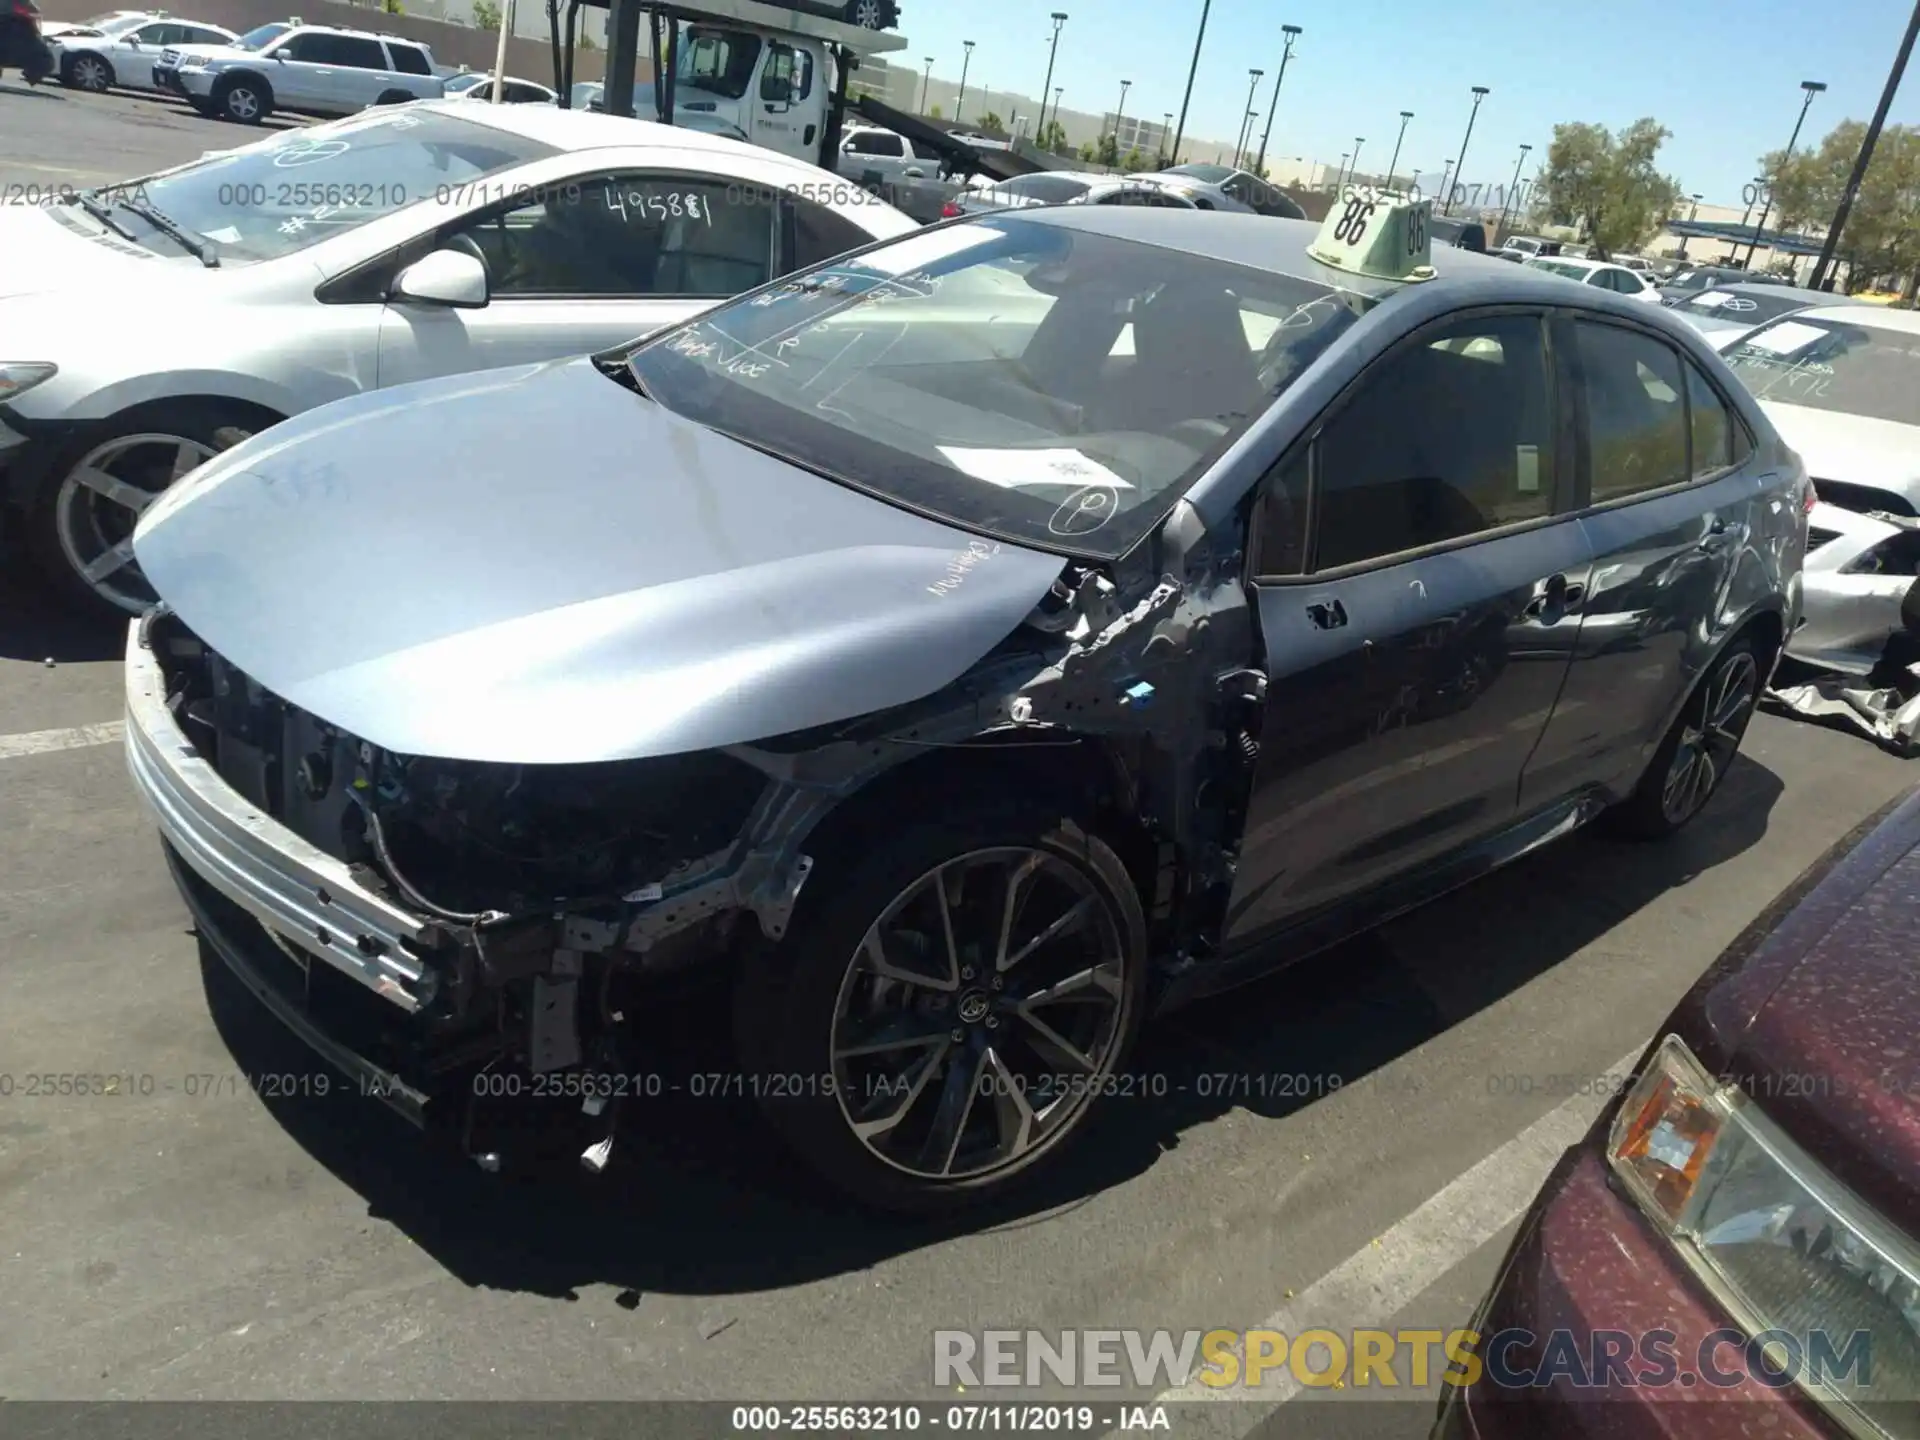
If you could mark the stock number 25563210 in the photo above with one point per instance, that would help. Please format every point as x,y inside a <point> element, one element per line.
<point>302,195</point>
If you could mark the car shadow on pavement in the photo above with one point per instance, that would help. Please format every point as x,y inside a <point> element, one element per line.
<point>35,626</point>
<point>31,92</point>
<point>702,1200</point>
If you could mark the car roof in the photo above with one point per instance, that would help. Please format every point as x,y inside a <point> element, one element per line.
<point>1874,317</point>
<point>304,29</point>
<point>1279,246</point>
<point>595,130</point>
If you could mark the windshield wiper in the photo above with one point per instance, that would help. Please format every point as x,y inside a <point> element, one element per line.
<point>103,213</point>
<point>185,239</point>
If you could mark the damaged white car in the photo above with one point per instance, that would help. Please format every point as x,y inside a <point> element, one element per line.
<point>957,676</point>
<point>1842,384</point>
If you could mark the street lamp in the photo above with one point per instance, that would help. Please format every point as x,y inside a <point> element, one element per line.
<point>925,76</point>
<point>1480,92</point>
<point>1246,125</point>
<point>1394,164</point>
<point>1446,170</point>
<point>1813,88</point>
<point>1690,214</point>
<point>1354,170</point>
<point>1058,90</point>
<point>1166,134</point>
<point>1506,201</point>
<point>1199,39</point>
<point>1821,275</point>
<point>965,60</point>
<point>1125,85</point>
<point>1292,32</point>
<point>1340,175</point>
<point>1059,18</point>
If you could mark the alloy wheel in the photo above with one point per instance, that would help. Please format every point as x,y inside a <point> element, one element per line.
<point>103,497</point>
<point>90,74</point>
<point>980,1015</point>
<point>1710,738</point>
<point>243,104</point>
<point>866,13</point>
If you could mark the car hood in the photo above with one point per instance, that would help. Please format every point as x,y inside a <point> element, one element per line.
<point>44,255</point>
<point>1853,449</point>
<point>536,565</point>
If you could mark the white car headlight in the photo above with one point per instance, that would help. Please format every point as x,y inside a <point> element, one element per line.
<point>1777,1238</point>
<point>19,376</point>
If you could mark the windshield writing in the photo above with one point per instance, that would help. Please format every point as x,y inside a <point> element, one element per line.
<point>1041,384</point>
<point>1853,369</point>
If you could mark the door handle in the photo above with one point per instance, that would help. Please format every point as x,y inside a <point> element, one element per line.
<point>1327,614</point>
<point>1717,532</point>
<point>1553,593</point>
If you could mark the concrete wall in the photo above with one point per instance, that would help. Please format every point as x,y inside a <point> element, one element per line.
<point>452,44</point>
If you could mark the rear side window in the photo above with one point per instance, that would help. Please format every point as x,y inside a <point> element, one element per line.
<point>1636,418</point>
<point>1712,428</point>
<point>1446,439</point>
<point>819,234</point>
<point>358,53</point>
<point>409,59</point>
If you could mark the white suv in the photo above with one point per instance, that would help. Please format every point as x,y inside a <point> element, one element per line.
<point>312,69</point>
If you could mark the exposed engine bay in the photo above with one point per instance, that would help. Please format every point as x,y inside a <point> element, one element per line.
<point>1856,656</point>
<point>550,886</point>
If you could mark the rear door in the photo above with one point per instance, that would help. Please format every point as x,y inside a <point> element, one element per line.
<point>1671,500</point>
<point>1416,568</point>
<point>596,262</point>
<point>363,74</point>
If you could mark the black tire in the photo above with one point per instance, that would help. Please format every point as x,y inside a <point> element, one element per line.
<point>871,14</point>
<point>87,71</point>
<point>1648,813</point>
<point>242,99</point>
<point>788,997</point>
<point>65,520</point>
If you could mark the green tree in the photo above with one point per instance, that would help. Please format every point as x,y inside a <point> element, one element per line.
<point>393,7</point>
<point>486,15</point>
<point>1608,183</point>
<point>1135,161</point>
<point>991,121</point>
<point>1883,231</point>
<point>933,112</point>
<point>1090,152</point>
<point>1052,138</point>
<point>586,43</point>
<point>1108,151</point>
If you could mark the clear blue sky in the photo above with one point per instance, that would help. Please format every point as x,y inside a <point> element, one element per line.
<point>1726,83</point>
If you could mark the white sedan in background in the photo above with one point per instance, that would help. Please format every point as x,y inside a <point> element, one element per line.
<point>416,241</point>
<point>476,85</point>
<point>1617,278</point>
<point>120,49</point>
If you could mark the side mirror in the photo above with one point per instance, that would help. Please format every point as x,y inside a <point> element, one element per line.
<point>451,278</point>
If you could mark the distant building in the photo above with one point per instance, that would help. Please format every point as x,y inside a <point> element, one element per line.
<point>1132,132</point>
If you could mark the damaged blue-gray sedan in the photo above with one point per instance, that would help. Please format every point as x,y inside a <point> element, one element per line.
<point>967,649</point>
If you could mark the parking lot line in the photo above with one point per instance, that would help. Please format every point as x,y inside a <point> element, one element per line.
<point>77,737</point>
<point>1373,1285</point>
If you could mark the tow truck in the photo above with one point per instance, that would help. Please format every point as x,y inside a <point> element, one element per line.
<point>774,76</point>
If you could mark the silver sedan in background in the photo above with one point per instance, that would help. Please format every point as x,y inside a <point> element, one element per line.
<point>1072,187</point>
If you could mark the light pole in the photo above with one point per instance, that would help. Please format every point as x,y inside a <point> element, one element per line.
<point>1480,92</point>
<point>1354,169</point>
<point>925,76</point>
<point>1292,32</point>
<point>966,59</point>
<point>1166,134</point>
<point>1445,171</point>
<point>1199,39</point>
<point>1823,266</point>
<point>1125,85</point>
<point>1058,90</point>
<point>1340,175</point>
<point>1247,124</point>
<point>1690,214</point>
<point>1813,88</point>
<point>1059,18</point>
<point>1506,201</point>
<point>1394,164</point>
<point>1246,138</point>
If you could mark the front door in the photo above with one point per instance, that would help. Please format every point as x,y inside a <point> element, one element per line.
<point>596,262</point>
<point>1418,629</point>
<point>1666,473</point>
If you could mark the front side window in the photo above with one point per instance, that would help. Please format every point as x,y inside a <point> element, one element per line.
<point>165,34</point>
<point>629,235</point>
<point>978,373</point>
<point>1636,419</point>
<point>310,184</point>
<point>876,142</point>
<point>1833,365</point>
<point>1447,438</point>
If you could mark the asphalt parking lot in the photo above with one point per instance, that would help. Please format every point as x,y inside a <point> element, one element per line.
<point>187,1237</point>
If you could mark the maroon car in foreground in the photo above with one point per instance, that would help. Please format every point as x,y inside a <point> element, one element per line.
<point>1734,1249</point>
